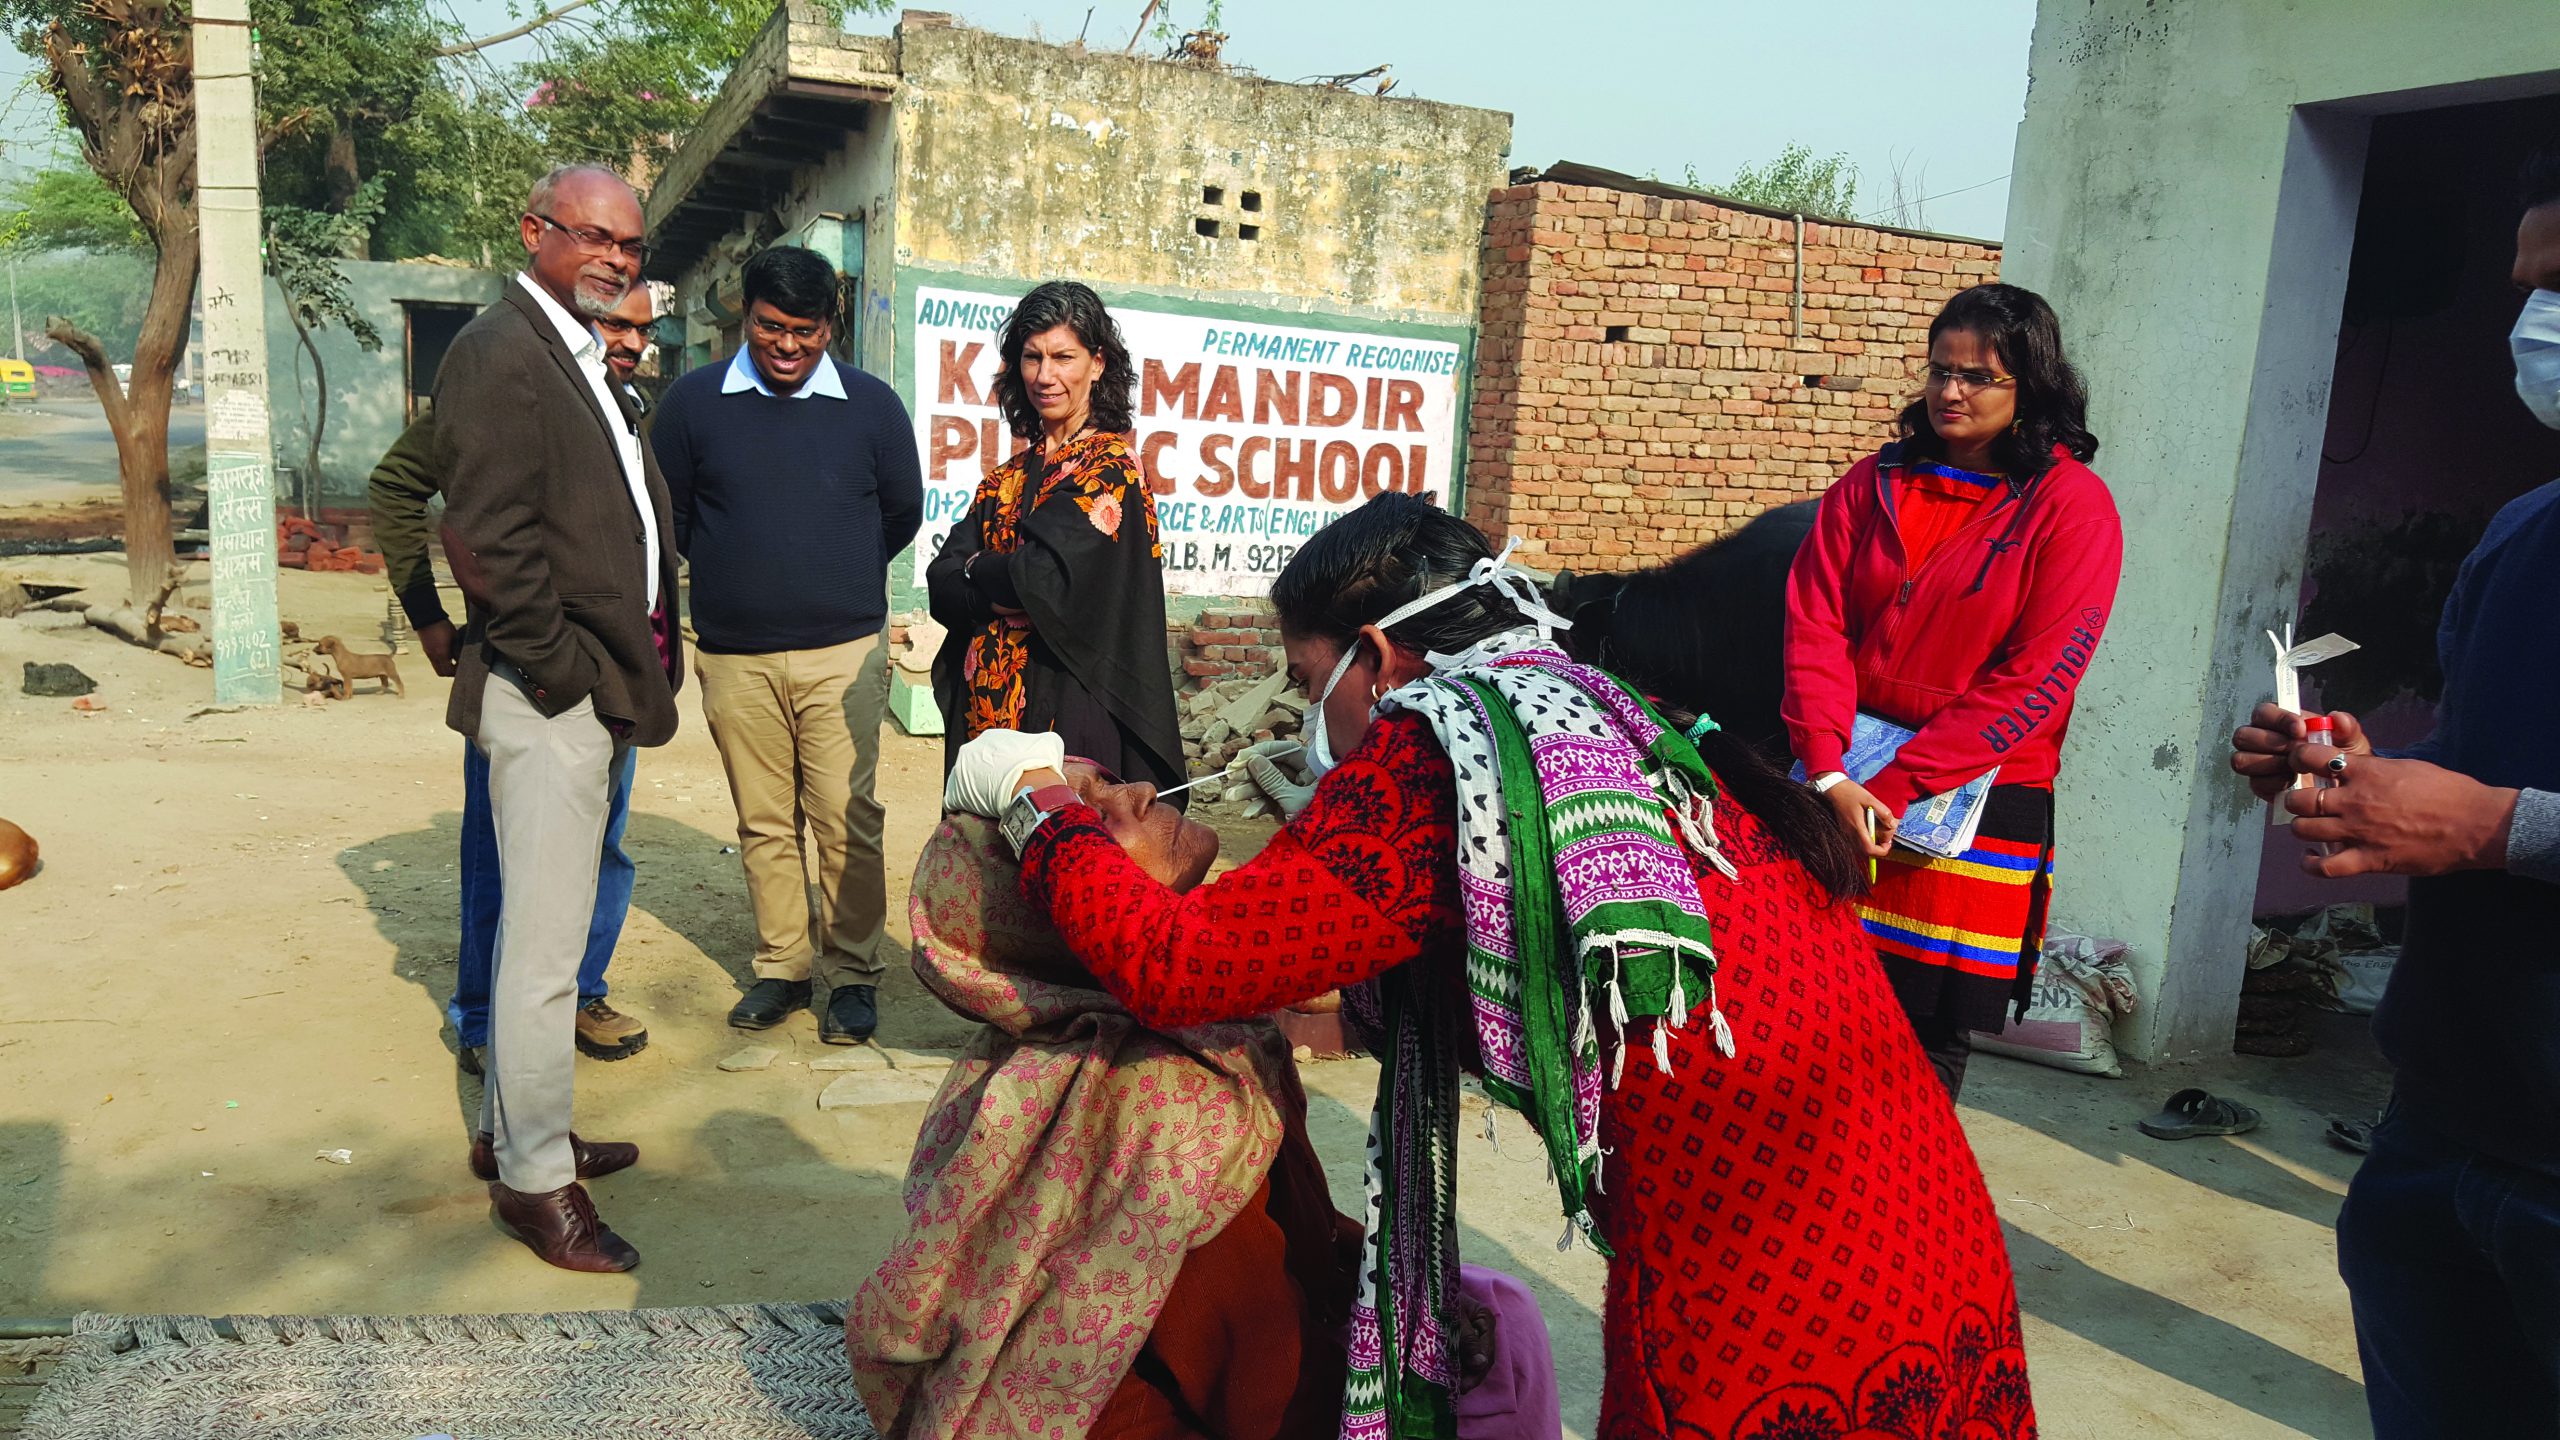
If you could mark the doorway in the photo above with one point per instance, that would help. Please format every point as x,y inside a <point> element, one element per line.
<point>2424,439</point>
<point>431,330</point>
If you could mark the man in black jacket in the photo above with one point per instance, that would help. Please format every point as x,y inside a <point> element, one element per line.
<point>403,485</point>
<point>558,530</point>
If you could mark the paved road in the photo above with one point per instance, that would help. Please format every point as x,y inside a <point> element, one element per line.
<point>59,450</point>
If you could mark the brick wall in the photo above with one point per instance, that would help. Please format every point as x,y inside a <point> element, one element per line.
<point>1223,643</point>
<point>1641,382</point>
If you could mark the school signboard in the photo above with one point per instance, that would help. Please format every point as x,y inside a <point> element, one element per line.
<point>1255,428</point>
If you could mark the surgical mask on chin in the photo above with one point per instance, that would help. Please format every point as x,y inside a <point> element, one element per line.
<point>2536,343</point>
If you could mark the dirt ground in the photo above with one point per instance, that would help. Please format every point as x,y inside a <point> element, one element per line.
<point>236,955</point>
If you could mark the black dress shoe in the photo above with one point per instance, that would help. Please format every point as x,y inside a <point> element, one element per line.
<point>853,1012</point>
<point>595,1157</point>
<point>768,1003</point>
<point>561,1227</point>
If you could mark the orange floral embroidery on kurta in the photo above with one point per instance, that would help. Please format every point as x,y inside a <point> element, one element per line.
<point>1099,472</point>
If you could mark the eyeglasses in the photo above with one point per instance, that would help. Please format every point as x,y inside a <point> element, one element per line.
<point>615,327</point>
<point>1945,379</point>
<point>596,241</point>
<point>805,334</point>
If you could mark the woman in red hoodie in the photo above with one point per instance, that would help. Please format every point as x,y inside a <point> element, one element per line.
<point>1955,584</point>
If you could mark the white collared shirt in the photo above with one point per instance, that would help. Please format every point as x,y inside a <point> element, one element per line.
<point>588,350</point>
<point>743,375</point>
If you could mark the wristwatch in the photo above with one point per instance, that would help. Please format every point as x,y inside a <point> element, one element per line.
<point>1821,784</point>
<point>1031,808</point>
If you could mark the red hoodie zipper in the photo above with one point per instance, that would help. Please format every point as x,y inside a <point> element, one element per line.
<point>1962,539</point>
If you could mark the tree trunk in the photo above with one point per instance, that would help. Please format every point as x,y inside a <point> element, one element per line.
<point>345,176</point>
<point>129,95</point>
<point>320,413</point>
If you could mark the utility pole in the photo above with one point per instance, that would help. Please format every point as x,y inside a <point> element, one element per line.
<point>17,327</point>
<point>239,461</point>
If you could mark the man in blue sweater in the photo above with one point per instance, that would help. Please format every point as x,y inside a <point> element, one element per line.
<point>2450,1238</point>
<point>795,483</point>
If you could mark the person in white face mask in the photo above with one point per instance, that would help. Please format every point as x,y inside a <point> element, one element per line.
<point>1630,925</point>
<point>2450,1237</point>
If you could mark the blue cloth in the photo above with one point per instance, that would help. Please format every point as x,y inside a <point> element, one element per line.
<point>2471,1021</point>
<point>469,1007</point>
<point>743,375</point>
<point>2452,1262</point>
<point>790,512</point>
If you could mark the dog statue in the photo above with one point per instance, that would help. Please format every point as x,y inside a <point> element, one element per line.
<point>356,665</point>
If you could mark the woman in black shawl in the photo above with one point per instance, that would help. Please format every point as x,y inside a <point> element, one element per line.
<point>1051,586</point>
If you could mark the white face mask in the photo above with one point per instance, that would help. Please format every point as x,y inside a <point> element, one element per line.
<point>1494,571</point>
<point>2536,343</point>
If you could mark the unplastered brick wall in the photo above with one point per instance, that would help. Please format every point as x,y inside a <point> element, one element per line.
<point>1644,383</point>
<point>1241,639</point>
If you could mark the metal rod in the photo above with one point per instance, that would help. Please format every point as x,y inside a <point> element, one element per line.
<point>34,1327</point>
<point>1219,774</point>
<point>1799,304</point>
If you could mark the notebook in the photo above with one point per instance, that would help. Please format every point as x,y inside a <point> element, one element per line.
<point>1940,825</point>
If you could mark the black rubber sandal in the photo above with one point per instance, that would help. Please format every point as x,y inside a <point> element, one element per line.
<point>2191,1113</point>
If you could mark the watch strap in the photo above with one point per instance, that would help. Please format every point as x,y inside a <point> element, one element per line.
<point>1030,809</point>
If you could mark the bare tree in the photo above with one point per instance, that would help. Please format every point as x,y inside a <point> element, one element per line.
<point>124,71</point>
<point>1906,195</point>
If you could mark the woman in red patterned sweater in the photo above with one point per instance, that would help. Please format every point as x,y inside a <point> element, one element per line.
<point>1800,1242</point>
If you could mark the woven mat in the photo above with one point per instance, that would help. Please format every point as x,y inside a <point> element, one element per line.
<point>728,1372</point>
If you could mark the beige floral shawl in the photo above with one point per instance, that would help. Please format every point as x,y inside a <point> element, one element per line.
<point>1070,1161</point>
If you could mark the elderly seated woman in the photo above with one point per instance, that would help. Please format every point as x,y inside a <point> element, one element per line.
<point>1117,1231</point>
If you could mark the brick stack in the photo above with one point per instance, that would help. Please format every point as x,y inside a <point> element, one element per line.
<point>1238,640</point>
<point>1641,382</point>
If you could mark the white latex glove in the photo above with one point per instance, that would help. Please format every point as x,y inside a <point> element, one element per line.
<point>1262,765</point>
<point>989,769</point>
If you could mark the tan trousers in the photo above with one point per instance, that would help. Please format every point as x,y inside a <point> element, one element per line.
<point>799,734</point>
<point>550,784</point>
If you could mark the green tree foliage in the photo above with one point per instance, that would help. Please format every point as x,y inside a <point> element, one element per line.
<point>1796,181</point>
<point>65,206</point>
<point>101,291</point>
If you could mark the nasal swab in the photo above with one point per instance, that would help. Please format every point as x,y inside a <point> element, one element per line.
<point>1232,767</point>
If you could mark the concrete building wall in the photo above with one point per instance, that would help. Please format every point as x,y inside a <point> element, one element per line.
<point>2185,192</point>
<point>368,390</point>
<point>1644,380</point>
<point>1038,161</point>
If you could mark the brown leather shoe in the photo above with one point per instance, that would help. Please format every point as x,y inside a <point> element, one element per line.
<point>605,1033</point>
<point>599,1157</point>
<point>561,1227</point>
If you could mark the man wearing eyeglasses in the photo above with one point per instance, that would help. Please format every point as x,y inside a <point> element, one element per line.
<point>795,482</point>
<point>404,484</point>
<point>557,527</point>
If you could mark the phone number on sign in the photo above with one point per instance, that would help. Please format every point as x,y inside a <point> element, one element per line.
<point>1217,555</point>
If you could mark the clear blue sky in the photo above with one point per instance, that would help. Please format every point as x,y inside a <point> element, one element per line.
<point>1638,85</point>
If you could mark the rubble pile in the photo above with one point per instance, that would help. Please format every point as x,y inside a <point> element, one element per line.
<point>1220,721</point>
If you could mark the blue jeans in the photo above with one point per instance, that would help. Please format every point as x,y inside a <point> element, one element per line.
<point>2452,1260</point>
<point>469,1007</point>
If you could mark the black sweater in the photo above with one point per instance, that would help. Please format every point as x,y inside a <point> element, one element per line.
<point>790,510</point>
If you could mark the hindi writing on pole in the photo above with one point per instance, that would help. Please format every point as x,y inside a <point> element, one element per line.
<point>1253,434</point>
<point>240,518</point>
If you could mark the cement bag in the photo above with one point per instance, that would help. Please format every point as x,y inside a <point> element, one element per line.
<point>2362,975</point>
<point>2081,987</point>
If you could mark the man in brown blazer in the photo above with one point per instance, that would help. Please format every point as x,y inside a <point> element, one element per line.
<point>559,532</point>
